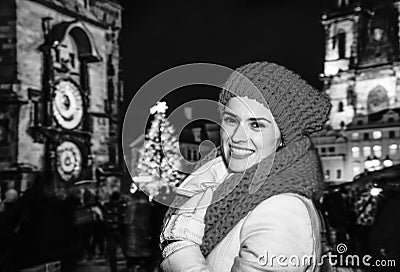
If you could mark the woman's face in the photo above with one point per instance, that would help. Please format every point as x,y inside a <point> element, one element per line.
<point>248,133</point>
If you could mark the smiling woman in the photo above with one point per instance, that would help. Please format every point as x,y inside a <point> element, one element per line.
<point>257,202</point>
<point>249,133</point>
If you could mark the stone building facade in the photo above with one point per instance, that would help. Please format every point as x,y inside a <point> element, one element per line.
<point>362,78</point>
<point>60,91</point>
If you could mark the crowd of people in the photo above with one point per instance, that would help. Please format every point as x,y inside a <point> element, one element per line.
<point>115,227</point>
<point>86,225</point>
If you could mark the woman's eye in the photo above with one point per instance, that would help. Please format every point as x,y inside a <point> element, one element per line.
<point>230,120</point>
<point>257,125</point>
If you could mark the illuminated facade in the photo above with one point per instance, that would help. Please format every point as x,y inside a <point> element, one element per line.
<point>60,90</point>
<point>362,78</point>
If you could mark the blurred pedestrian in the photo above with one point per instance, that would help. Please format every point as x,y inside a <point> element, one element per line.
<point>11,196</point>
<point>115,211</point>
<point>97,246</point>
<point>88,226</point>
<point>140,246</point>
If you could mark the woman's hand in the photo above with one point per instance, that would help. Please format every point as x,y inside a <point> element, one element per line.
<point>186,226</point>
<point>211,174</point>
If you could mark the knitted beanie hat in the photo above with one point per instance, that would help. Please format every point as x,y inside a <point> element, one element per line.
<point>297,107</point>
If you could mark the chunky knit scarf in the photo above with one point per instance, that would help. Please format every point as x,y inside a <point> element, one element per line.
<point>295,169</point>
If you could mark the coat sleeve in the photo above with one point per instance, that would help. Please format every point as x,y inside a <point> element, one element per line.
<point>276,236</point>
<point>188,259</point>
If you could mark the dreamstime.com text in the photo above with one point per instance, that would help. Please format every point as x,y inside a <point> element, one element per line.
<point>334,259</point>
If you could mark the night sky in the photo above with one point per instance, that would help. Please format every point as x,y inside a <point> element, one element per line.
<point>158,35</point>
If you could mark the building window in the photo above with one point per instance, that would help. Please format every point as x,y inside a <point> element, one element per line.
<point>360,123</point>
<point>376,134</point>
<point>354,135</point>
<point>367,151</point>
<point>331,149</point>
<point>393,149</point>
<point>355,150</point>
<point>57,54</point>
<point>366,136</point>
<point>340,106</point>
<point>338,174</point>
<point>197,134</point>
<point>377,150</point>
<point>342,3</point>
<point>327,174</point>
<point>323,149</point>
<point>392,134</point>
<point>341,39</point>
<point>72,59</point>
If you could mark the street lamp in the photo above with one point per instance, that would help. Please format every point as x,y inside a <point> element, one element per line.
<point>387,162</point>
<point>375,191</point>
<point>376,163</point>
<point>368,164</point>
<point>372,164</point>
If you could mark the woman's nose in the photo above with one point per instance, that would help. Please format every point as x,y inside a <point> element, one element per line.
<point>240,134</point>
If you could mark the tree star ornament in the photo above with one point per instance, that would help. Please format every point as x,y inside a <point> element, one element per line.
<point>160,107</point>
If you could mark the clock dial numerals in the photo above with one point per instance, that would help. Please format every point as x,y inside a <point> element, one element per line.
<point>69,160</point>
<point>67,105</point>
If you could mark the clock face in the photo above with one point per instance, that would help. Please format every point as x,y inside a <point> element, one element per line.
<point>67,104</point>
<point>69,160</point>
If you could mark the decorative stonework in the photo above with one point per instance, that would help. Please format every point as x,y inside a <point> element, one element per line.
<point>59,41</point>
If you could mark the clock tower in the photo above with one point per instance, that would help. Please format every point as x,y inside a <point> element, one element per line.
<point>60,91</point>
<point>362,78</point>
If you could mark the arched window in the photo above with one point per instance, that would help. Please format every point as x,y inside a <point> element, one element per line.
<point>341,40</point>
<point>393,149</point>
<point>377,150</point>
<point>327,174</point>
<point>338,173</point>
<point>367,151</point>
<point>355,150</point>
<point>340,106</point>
<point>67,54</point>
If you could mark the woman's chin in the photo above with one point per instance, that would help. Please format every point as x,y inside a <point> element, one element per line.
<point>239,165</point>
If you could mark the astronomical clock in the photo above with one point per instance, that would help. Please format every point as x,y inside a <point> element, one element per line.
<point>68,111</point>
<point>61,92</point>
<point>69,160</point>
<point>68,106</point>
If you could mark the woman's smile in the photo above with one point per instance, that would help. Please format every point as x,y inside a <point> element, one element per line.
<point>240,152</point>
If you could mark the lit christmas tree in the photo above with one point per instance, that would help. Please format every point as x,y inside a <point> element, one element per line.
<point>160,155</point>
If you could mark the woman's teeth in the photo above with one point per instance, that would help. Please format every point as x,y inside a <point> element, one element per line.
<point>241,152</point>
